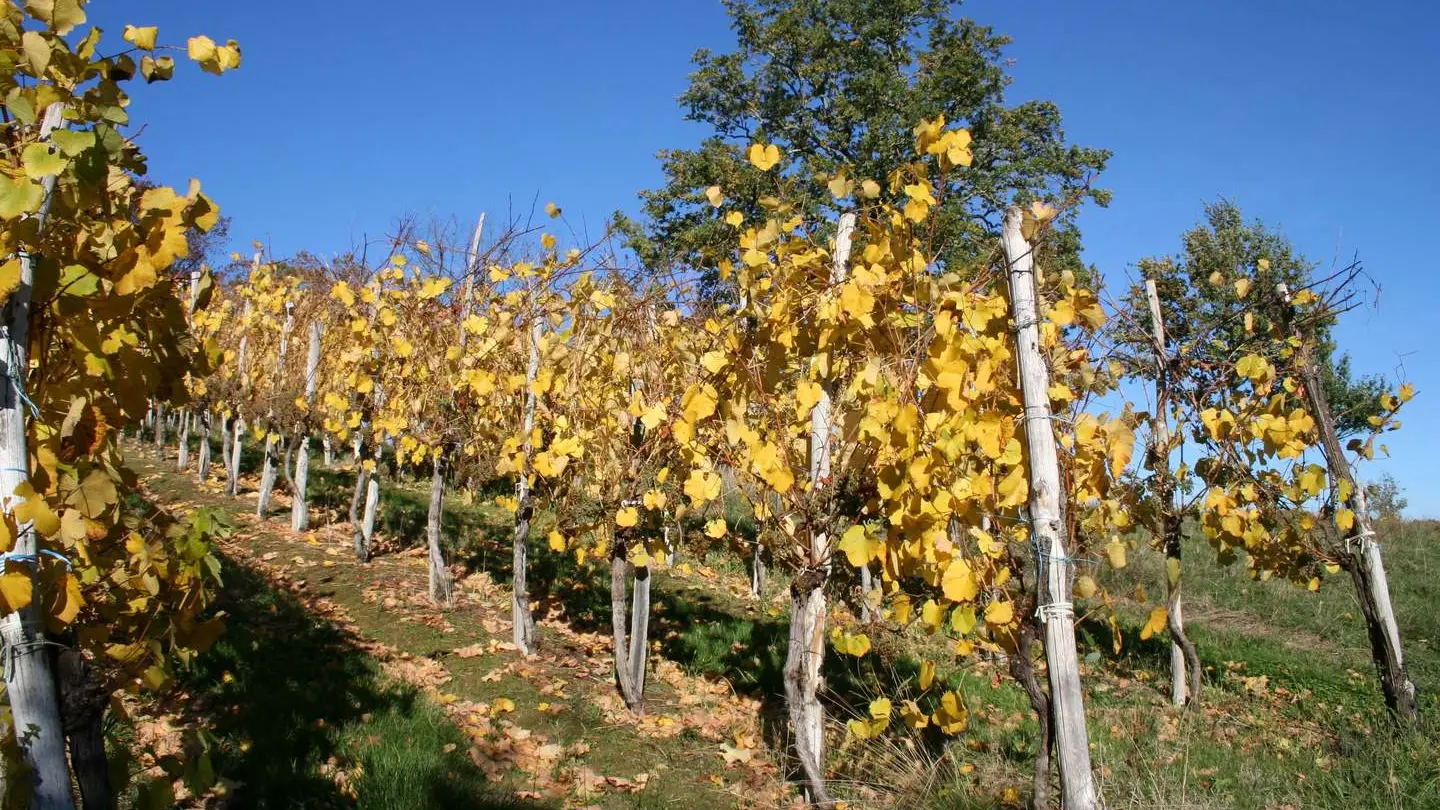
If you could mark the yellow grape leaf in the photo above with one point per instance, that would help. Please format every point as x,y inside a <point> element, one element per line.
<point>870,189</point>
<point>962,619</point>
<point>715,528</point>
<point>502,705</point>
<point>858,547</point>
<point>627,517</point>
<point>927,674</point>
<point>39,162</point>
<point>1156,623</point>
<point>734,219</point>
<point>840,187</point>
<point>141,36</point>
<point>35,509</point>
<point>65,603</point>
<point>951,717</point>
<point>847,644</point>
<point>1254,367</point>
<point>958,582</point>
<point>557,541</point>
<point>999,614</point>
<point>698,403</point>
<point>16,591</point>
<point>19,196</point>
<point>881,708</point>
<point>1344,519</point>
<point>702,486</point>
<point>1242,287</point>
<point>552,210</point>
<point>1084,587</point>
<point>714,361</point>
<point>931,614</point>
<point>901,608</point>
<point>1115,551</point>
<point>763,157</point>
<point>911,715</point>
<point>714,195</point>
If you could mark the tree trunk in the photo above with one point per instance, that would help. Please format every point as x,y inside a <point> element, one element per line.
<point>202,463</point>
<point>29,678</point>
<point>440,586</point>
<point>82,709</point>
<point>803,683</point>
<point>1056,612</point>
<point>1360,556</point>
<point>866,585</point>
<point>1022,669</point>
<point>757,571</point>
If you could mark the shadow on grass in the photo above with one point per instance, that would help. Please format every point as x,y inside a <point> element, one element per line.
<point>291,699</point>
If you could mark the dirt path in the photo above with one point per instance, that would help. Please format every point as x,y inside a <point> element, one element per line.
<point>549,728</point>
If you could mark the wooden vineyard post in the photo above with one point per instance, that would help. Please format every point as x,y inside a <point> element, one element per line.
<point>29,677</point>
<point>1077,782</point>
<point>806,651</point>
<point>1167,523</point>
<point>1360,554</point>
<point>268,470</point>
<point>300,505</point>
<point>520,615</point>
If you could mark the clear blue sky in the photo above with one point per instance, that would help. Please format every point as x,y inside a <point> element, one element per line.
<point>1319,117</point>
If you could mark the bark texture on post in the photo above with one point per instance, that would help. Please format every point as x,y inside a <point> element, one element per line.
<point>202,461</point>
<point>1067,702</point>
<point>268,468</point>
<point>1168,524</point>
<point>372,508</point>
<point>159,431</point>
<point>629,627</point>
<point>237,447</point>
<point>521,618</point>
<point>806,650</point>
<point>1360,553</point>
<point>182,448</point>
<point>29,677</point>
<point>300,503</point>
<point>439,575</point>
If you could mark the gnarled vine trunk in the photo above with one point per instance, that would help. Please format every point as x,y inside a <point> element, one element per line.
<point>439,575</point>
<point>803,684</point>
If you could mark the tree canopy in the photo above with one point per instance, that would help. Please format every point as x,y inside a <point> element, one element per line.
<point>1216,292</point>
<point>838,86</point>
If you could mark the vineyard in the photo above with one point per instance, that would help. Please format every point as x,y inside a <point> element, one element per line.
<point>835,479</point>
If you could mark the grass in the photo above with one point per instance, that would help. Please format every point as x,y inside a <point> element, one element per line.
<point>1291,716</point>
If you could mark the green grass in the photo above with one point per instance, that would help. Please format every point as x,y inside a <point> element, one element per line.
<point>288,696</point>
<point>1291,715</point>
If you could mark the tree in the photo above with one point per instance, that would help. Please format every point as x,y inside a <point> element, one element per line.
<point>838,86</point>
<point>1202,299</point>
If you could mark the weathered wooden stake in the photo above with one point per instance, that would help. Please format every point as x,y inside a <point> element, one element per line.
<point>1072,742</point>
